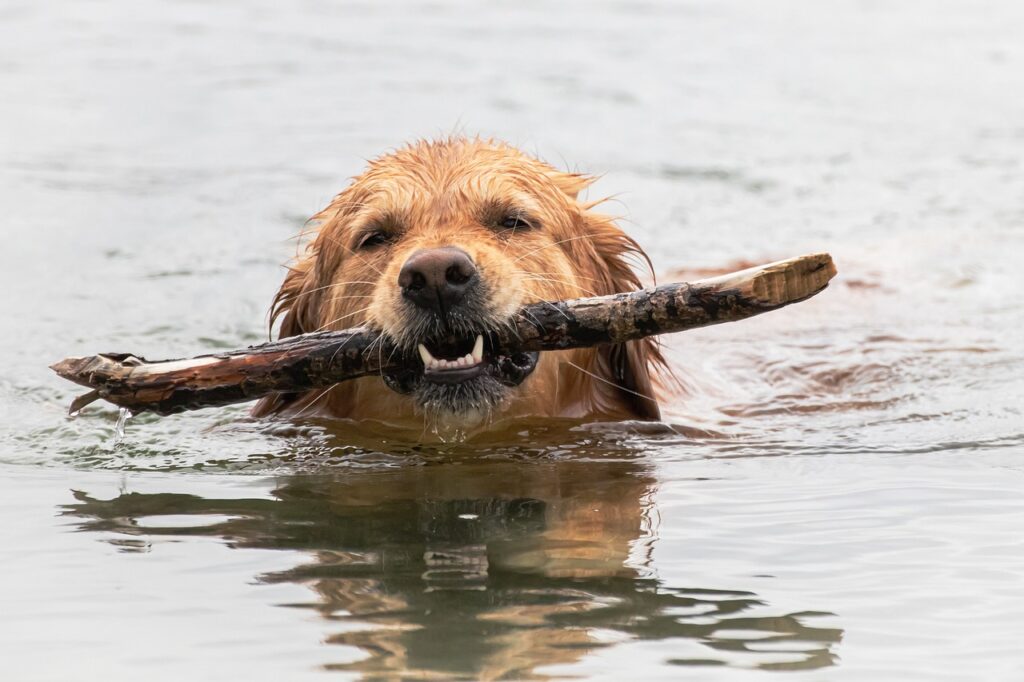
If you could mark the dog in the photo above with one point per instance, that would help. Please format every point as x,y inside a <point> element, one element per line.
<point>436,245</point>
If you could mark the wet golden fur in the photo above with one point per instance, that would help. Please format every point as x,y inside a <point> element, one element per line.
<point>453,193</point>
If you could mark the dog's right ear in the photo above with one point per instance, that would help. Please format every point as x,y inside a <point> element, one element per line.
<point>296,302</point>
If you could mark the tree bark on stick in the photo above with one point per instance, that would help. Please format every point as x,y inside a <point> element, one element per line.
<point>321,359</point>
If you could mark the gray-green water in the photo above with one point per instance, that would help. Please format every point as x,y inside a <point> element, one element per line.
<point>842,496</point>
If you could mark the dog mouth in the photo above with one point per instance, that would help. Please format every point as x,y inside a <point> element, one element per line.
<point>460,372</point>
<point>454,360</point>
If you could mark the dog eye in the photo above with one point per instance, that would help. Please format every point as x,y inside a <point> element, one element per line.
<point>374,239</point>
<point>514,221</point>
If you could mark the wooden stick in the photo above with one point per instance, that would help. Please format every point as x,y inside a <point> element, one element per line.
<point>321,359</point>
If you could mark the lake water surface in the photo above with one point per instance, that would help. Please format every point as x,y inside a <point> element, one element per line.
<point>840,496</point>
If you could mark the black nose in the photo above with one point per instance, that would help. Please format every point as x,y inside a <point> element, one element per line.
<point>437,279</point>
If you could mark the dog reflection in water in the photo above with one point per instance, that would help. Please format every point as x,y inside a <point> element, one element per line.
<point>490,570</point>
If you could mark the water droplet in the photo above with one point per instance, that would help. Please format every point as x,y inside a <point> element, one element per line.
<point>122,418</point>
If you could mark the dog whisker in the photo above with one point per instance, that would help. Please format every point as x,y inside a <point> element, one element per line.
<point>343,298</point>
<point>602,379</point>
<point>548,246</point>
<point>532,319</point>
<point>589,292</point>
<point>343,317</point>
<point>336,284</point>
<point>541,272</point>
<point>314,401</point>
<point>555,308</point>
<point>339,349</point>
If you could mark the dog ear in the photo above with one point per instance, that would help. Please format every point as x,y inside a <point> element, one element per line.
<point>297,303</point>
<point>627,367</point>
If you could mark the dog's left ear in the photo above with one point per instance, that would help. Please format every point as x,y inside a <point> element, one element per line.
<point>627,367</point>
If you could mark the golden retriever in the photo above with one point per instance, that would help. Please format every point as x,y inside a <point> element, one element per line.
<point>439,243</point>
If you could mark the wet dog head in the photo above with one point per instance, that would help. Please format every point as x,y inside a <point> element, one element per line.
<point>439,244</point>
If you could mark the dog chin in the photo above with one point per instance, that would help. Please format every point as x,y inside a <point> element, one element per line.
<point>466,403</point>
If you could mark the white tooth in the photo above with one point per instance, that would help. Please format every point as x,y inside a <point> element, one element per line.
<point>468,360</point>
<point>478,348</point>
<point>428,359</point>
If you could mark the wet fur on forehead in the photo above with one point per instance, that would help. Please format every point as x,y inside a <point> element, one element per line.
<point>433,185</point>
<point>395,187</point>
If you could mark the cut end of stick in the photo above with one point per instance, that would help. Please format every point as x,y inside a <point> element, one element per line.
<point>783,282</point>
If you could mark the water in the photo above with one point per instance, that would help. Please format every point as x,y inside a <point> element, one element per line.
<point>123,415</point>
<point>839,496</point>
